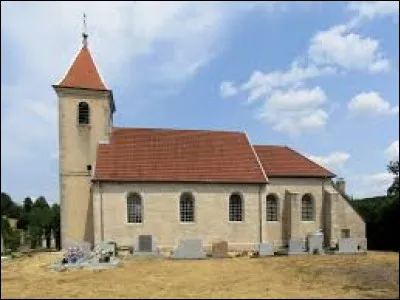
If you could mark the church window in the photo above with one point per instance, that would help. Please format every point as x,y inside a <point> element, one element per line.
<point>235,208</point>
<point>134,208</point>
<point>186,207</point>
<point>272,208</point>
<point>83,113</point>
<point>307,208</point>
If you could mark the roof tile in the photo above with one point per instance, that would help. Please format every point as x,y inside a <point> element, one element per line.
<point>282,161</point>
<point>83,73</point>
<point>177,155</point>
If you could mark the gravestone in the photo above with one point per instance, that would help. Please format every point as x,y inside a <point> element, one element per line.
<point>297,246</point>
<point>219,249</point>
<point>85,247</point>
<point>44,241</point>
<point>22,238</point>
<point>52,240</point>
<point>106,247</point>
<point>265,249</point>
<point>145,246</point>
<point>347,245</point>
<point>145,243</point>
<point>189,249</point>
<point>315,244</point>
<point>363,245</point>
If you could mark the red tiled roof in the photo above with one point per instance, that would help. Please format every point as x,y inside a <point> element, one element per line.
<point>177,155</point>
<point>83,73</point>
<point>281,161</point>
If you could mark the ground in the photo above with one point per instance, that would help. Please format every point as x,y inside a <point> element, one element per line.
<point>327,276</point>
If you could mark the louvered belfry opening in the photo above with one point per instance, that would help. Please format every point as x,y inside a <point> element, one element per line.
<point>83,113</point>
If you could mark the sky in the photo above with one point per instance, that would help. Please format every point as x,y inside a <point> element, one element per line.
<point>319,77</point>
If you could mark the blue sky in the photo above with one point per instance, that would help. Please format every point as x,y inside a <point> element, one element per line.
<point>319,77</point>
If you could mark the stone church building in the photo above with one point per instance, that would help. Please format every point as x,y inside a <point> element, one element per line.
<point>119,183</point>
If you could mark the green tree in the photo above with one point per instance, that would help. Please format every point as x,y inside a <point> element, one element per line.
<point>8,207</point>
<point>27,206</point>
<point>56,224</point>
<point>11,237</point>
<point>394,189</point>
<point>39,221</point>
<point>23,221</point>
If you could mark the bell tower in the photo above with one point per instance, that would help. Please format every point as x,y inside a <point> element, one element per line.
<point>85,116</point>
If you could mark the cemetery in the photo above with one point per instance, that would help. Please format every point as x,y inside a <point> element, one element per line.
<point>104,255</point>
<point>192,269</point>
<point>293,276</point>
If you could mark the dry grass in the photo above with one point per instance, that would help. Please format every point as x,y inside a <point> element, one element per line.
<point>350,276</point>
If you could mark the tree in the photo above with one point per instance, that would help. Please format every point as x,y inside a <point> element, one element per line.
<point>56,224</point>
<point>27,206</point>
<point>11,237</point>
<point>394,189</point>
<point>8,207</point>
<point>39,221</point>
<point>23,221</point>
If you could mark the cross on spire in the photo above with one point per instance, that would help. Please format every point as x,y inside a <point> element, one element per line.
<point>84,33</point>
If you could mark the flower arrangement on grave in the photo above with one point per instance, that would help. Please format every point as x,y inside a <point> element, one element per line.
<point>104,255</point>
<point>73,255</point>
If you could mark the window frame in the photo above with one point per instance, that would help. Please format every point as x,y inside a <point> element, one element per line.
<point>140,198</point>
<point>276,198</point>
<point>312,208</point>
<point>193,200</point>
<point>83,102</point>
<point>240,196</point>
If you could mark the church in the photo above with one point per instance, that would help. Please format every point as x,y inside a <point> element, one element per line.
<point>118,183</point>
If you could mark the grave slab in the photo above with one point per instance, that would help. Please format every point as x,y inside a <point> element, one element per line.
<point>265,249</point>
<point>189,249</point>
<point>219,249</point>
<point>297,246</point>
<point>315,243</point>
<point>347,245</point>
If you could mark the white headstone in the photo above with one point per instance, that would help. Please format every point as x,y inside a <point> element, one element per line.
<point>296,246</point>
<point>44,242</point>
<point>265,249</point>
<point>347,245</point>
<point>52,240</point>
<point>189,249</point>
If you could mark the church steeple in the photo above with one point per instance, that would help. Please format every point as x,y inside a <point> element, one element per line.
<point>83,72</point>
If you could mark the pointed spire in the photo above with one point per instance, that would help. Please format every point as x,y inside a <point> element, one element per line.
<point>85,35</point>
<point>83,73</point>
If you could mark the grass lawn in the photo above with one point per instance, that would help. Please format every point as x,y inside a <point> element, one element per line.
<point>352,276</point>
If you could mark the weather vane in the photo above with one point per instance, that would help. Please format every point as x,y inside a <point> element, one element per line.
<point>84,33</point>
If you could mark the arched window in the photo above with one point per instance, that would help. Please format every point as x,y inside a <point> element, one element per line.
<point>272,208</point>
<point>235,208</point>
<point>307,208</point>
<point>134,208</point>
<point>83,113</point>
<point>186,207</point>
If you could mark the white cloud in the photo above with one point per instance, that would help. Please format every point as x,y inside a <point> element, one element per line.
<point>338,47</point>
<point>227,89</point>
<point>157,44</point>
<point>371,185</point>
<point>371,103</point>
<point>334,161</point>
<point>295,111</point>
<point>368,10</point>
<point>262,84</point>
<point>392,152</point>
